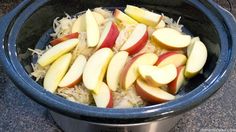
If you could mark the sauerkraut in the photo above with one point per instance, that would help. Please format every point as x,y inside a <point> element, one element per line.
<point>62,26</point>
<point>78,93</point>
<point>127,98</point>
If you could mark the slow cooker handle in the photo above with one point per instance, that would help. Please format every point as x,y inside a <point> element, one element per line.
<point>230,21</point>
<point>5,22</point>
<point>6,19</point>
<point>225,14</point>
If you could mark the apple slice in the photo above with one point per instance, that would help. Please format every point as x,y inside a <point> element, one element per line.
<point>137,40</point>
<point>130,71</point>
<point>161,24</point>
<point>114,69</point>
<point>189,48</point>
<point>174,86</point>
<point>169,38</point>
<point>120,39</point>
<point>123,18</point>
<point>143,16</point>
<point>56,51</point>
<point>95,68</point>
<point>171,57</point>
<point>158,76</point>
<point>56,72</point>
<point>150,30</point>
<point>108,36</point>
<point>67,37</point>
<point>80,23</point>
<point>123,36</point>
<point>74,74</point>
<point>92,29</point>
<point>104,97</point>
<point>98,17</point>
<point>152,94</point>
<point>197,59</point>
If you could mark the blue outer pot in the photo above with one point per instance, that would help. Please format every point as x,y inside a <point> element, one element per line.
<point>222,21</point>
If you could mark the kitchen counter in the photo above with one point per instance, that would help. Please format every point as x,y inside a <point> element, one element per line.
<point>19,113</point>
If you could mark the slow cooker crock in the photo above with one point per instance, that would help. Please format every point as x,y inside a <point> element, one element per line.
<point>23,28</point>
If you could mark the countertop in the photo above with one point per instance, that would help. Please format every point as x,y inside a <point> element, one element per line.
<point>19,113</point>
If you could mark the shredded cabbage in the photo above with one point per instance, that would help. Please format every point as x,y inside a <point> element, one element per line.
<point>78,93</point>
<point>63,26</point>
<point>127,98</point>
<point>104,12</point>
<point>172,24</point>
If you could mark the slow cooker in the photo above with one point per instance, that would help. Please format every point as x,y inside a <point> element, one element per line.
<point>29,24</point>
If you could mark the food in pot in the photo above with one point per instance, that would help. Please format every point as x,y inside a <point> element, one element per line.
<point>118,59</point>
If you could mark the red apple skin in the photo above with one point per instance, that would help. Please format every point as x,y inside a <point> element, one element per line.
<point>75,82</point>
<point>126,68</point>
<point>146,96</point>
<point>166,55</point>
<point>110,39</point>
<point>172,86</point>
<point>139,45</point>
<point>110,104</point>
<point>67,37</point>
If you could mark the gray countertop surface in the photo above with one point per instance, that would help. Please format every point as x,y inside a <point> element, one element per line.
<point>19,113</point>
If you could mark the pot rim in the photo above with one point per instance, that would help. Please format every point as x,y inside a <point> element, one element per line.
<point>75,110</point>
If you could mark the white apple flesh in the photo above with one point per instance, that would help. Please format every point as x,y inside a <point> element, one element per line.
<point>80,23</point>
<point>171,57</point>
<point>103,98</point>
<point>158,76</point>
<point>120,39</point>
<point>56,72</point>
<point>56,51</point>
<point>189,48</point>
<point>137,40</point>
<point>174,86</point>
<point>99,18</point>
<point>108,36</point>
<point>152,94</point>
<point>92,29</point>
<point>130,71</point>
<point>196,60</point>
<point>143,16</point>
<point>74,74</point>
<point>123,18</point>
<point>95,69</point>
<point>161,24</point>
<point>115,67</point>
<point>169,38</point>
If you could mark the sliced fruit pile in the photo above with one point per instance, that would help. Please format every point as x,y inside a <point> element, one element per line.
<point>120,59</point>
